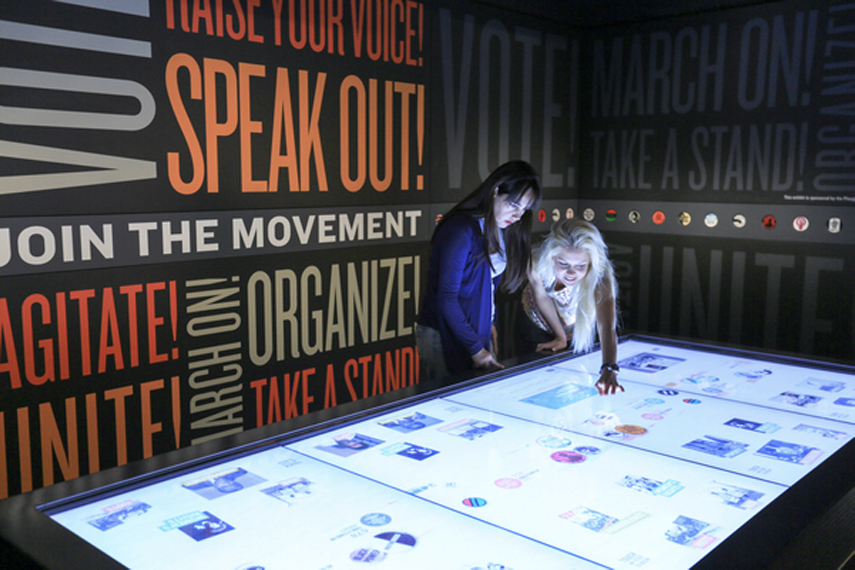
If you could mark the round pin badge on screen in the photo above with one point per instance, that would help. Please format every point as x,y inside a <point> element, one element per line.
<point>634,216</point>
<point>801,223</point>
<point>685,218</point>
<point>658,217</point>
<point>588,214</point>
<point>710,220</point>
<point>474,502</point>
<point>375,519</point>
<point>570,213</point>
<point>611,215</point>
<point>769,222</point>
<point>739,221</point>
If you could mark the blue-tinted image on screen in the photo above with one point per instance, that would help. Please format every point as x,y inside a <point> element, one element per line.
<point>534,470</point>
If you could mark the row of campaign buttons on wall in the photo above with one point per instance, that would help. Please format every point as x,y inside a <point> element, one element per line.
<point>800,223</point>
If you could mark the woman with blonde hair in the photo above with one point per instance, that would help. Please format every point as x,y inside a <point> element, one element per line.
<point>572,297</point>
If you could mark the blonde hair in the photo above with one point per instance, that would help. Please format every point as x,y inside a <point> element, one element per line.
<point>581,235</point>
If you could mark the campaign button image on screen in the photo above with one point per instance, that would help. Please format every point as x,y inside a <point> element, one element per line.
<point>769,222</point>
<point>588,214</point>
<point>570,213</point>
<point>710,220</point>
<point>658,217</point>
<point>394,541</point>
<point>556,214</point>
<point>739,221</point>
<point>554,441</point>
<point>375,519</point>
<point>685,218</point>
<point>801,223</point>
<point>474,502</point>
<point>541,216</point>
<point>611,215</point>
<point>508,483</point>
<point>567,457</point>
<point>631,429</point>
<point>634,216</point>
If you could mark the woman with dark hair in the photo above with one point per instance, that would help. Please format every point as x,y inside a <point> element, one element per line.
<point>483,241</point>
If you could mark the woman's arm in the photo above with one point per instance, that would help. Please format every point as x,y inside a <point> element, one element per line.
<point>456,241</point>
<point>546,306</point>
<point>607,331</point>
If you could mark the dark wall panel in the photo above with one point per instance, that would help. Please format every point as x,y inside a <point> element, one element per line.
<point>215,215</point>
<point>718,160</point>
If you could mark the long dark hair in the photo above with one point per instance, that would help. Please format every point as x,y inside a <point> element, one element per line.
<point>513,179</point>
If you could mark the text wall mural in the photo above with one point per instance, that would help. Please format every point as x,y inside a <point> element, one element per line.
<point>214,216</point>
<point>718,161</point>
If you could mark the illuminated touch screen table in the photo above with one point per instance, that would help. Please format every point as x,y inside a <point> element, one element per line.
<point>711,456</point>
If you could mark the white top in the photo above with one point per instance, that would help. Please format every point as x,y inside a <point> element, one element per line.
<point>499,262</point>
<point>566,301</point>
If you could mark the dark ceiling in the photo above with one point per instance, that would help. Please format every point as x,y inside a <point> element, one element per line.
<point>597,13</point>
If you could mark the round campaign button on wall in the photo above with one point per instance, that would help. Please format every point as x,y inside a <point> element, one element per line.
<point>769,222</point>
<point>801,223</point>
<point>541,216</point>
<point>611,215</point>
<point>658,217</point>
<point>739,221</point>
<point>685,218</point>
<point>570,213</point>
<point>834,225</point>
<point>710,220</point>
<point>556,214</point>
<point>634,216</point>
<point>588,214</point>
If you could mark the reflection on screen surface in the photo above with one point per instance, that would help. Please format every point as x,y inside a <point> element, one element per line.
<point>532,471</point>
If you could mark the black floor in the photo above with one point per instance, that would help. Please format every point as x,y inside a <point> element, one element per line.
<point>828,543</point>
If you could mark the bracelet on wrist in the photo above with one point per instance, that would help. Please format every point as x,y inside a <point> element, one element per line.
<point>610,366</point>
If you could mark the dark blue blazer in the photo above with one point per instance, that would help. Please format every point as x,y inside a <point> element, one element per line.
<point>458,299</point>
